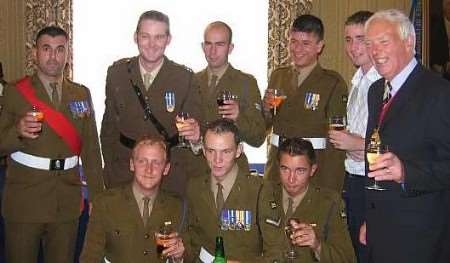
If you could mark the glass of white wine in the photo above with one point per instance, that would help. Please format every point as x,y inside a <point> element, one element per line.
<point>180,123</point>
<point>290,255</point>
<point>373,151</point>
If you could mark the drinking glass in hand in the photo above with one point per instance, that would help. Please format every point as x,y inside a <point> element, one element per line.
<point>278,97</point>
<point>337,123</point>
<point>291,254</point>
<point>373,151</point>
<point>223,96</point>
<point>180,123</point>
<point>162,237</point>
<point>38,116</point>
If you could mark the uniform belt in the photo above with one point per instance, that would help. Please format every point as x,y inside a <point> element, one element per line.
<point>43,163</point>
<point>318,143</point>
<point>127,141</point>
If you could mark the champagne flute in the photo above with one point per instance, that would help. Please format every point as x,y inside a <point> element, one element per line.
<point>337,123</point>
<point>278,97</point>
<point>374,150</point>
<point>169,97</point>
<point>180,123</point>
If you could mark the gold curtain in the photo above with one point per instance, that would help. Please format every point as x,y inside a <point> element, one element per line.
<point>282,14</point>
<point>39,14</point>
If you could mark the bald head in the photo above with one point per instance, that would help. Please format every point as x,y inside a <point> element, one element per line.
<point>219,25</point>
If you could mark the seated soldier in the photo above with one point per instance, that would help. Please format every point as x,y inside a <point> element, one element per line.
<point>224,202</point>
<point>125,220</point>
<point>313,215</point>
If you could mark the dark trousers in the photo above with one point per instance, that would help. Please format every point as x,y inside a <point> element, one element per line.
<point>354,197</point>
<point>23,241</point>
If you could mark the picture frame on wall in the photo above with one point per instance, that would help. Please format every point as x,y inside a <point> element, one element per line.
<point>436,20</point>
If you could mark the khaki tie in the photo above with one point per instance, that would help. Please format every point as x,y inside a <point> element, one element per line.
<point>290,209</point>
<point>219,198</point>
<point>387,92</point>
<point>148,79</point>
<point>212,85</point>
<point>146,212</point>
<point>55,97</point>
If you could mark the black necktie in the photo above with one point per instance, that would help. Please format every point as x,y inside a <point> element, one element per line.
<point>220,200</point>
<point>146,210</point>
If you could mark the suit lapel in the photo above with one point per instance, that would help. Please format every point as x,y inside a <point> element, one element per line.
<point>208,196</point>
<point>305,210</point>
<point>402,97</point>
<point>132,207</point>
<point>135,73</point>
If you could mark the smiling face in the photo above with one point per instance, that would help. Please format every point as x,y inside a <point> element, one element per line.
<point>355,46</point>
<point>304,48</point>
<point>50,55</point>
<point>221,152</point>
<point>295,172</point>
<point>149,165</point>
<point>152,38</point>
<point>389,53</point>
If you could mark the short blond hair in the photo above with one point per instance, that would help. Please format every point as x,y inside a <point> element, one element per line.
<point>150,140</point>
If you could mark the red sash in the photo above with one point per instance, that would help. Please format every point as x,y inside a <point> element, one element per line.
<point>57,121</point>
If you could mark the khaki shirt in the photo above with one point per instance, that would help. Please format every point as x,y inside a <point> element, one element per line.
<point>227,182</point>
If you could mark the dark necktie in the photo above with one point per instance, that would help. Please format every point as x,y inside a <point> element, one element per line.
<point>387,92</point>
<point>212,85</point>
<point>55,97</point>
<point>146,212</point>
<point>219,198</point>
<point>290,209</point>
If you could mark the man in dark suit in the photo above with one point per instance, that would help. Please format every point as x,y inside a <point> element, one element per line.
<point>125,219</point>
<point>221,76</point>
<point>156,78</point>
<point>408,108</point>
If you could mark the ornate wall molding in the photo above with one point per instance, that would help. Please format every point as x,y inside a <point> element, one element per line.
<point>282,14</point>
<point>39,14</point>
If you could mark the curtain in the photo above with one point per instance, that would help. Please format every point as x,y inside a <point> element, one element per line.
<point>39,14</point>
<point>282,14</point>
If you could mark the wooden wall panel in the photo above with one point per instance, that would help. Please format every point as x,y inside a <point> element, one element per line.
<point>12,38</point>
<point>333,14</point>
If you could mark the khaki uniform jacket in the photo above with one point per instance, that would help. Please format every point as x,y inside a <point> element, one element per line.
<point>251,120</point>
<point>293,119</point>
<point>203,224</point>
<point>124,114</point>
<point>40,196</point>
<point>116,230</point>
<point>319,206</point>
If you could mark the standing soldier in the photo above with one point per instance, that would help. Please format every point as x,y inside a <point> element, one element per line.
<point>46,126</point>
<point>313,94</point>
<point>218,77</point>
<point>140,93</point>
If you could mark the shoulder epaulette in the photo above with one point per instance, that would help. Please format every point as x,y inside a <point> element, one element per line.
<point>183,66</point>
<point>122,61</point>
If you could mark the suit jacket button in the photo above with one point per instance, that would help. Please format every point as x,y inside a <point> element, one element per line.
<point>146,236</point>
<point>372,205</point>
<point>146,252</point>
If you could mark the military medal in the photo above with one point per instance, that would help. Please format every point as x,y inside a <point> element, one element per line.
<point>311,101</point>
<point>169,97</point>
<point>247,220</point>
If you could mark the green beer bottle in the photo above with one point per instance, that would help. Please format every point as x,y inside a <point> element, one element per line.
<point>219,255</point>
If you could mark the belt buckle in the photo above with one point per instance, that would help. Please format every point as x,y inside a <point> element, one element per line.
<point>281,139</point>
<point>57,164</point>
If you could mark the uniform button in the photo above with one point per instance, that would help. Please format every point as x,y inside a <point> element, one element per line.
<point>146,252</point>
<point>372,205</point>
<point>146,236</point>
<point>146,97</point>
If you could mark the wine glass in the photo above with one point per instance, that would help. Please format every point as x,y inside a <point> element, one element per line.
<point>373,151</point>
<point>291,254</point>
<point>161,239</point>
<point>223,96</point>
<point>169,96</point>
<point>337,123</point>
<point>278,97</point>
<point>180,123</point>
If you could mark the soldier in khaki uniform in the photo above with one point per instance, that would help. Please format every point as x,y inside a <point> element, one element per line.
<point>155,76</point>
<point>42,193</point>
<point>220,76</point>
<point>313,95</point>
<point>224,203</point>
<point>124,220</point>
<point>319,229</point>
